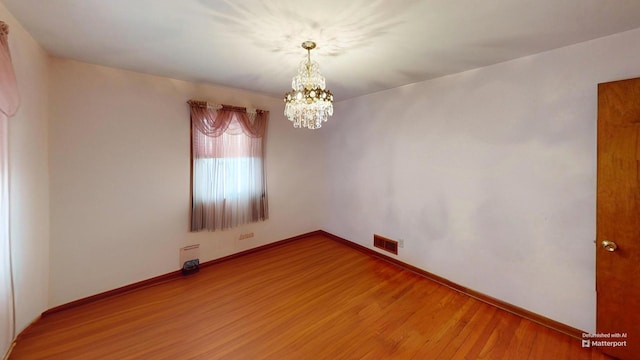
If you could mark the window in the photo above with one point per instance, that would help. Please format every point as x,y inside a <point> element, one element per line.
<point>228,178</point>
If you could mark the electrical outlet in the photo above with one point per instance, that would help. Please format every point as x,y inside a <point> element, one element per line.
<point>246,236</point>
<point>401,243</point>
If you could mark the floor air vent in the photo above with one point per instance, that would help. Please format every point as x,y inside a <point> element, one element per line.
<point>385,244</point>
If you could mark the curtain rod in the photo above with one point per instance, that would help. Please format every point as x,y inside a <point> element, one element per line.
<point>208,105</point>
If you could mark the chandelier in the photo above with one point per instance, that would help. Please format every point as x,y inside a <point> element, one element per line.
<point>309,104</point>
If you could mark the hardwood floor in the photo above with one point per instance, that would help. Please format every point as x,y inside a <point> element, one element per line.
<point>309,299</point>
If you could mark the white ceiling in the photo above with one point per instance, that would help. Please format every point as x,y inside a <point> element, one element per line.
<point>363,45</point>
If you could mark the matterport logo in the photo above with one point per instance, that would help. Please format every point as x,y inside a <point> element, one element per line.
<point>604,340</point>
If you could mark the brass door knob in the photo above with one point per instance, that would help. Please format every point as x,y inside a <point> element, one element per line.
<point>609,245</point>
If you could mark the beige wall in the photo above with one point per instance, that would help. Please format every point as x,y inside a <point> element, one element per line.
<point>29,175</point>
<point>488,175</point>
<point>120,162</point>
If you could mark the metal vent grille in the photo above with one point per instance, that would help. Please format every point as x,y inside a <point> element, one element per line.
<point>385,244</point>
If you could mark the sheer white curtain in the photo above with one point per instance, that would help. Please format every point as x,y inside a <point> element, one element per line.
<point>228,177</point>
<point>9,101</point>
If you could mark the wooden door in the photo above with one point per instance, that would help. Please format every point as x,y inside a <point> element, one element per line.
<point>618,219</point>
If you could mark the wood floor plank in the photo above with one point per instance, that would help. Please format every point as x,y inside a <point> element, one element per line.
<point>500,337</point>
<point>522,341</point>
<point>313,298</point>
<point>445,332</point>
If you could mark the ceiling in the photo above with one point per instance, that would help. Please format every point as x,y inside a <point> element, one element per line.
<point>364,46</point>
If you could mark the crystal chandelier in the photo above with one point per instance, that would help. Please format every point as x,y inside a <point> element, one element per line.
<point>309,104</point>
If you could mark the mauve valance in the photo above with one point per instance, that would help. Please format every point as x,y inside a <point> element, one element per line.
<point>9,97</point>
<point>213,120</point>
